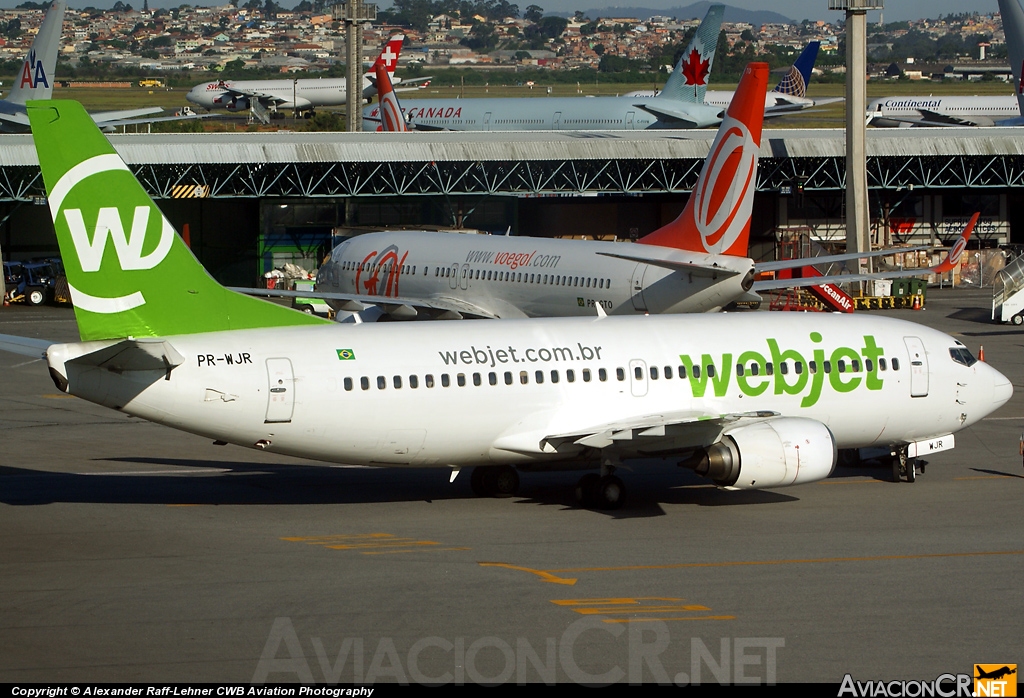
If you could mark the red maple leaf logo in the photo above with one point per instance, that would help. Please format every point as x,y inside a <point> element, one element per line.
<point>695,70</point>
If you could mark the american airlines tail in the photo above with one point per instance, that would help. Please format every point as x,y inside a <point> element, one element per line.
<point>391,117</point>
<point>1013,27</point>
<point>35,80</point>
<point>689,79</point>
<point>796,79</point>
<point>716,219</point>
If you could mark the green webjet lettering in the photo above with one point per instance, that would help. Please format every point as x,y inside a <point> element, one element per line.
<point>799,379</point>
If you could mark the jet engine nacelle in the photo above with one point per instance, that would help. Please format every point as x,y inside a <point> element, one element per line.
<point>238,104</point>
<point>772,453</point>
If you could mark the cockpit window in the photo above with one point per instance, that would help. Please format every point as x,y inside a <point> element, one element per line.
<point>962,355</point>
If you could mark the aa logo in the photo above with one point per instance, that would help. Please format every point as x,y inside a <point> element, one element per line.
<point>32,73</point>
<point>995,680</point>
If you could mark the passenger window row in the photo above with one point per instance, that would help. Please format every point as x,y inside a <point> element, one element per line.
<point>539,377</point>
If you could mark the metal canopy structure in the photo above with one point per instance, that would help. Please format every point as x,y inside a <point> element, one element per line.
<point>231,166</point>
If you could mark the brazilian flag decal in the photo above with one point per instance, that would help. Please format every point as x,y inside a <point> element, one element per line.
<point>346,355</point>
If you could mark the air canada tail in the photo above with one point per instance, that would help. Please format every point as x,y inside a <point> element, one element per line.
<point>35,79</point>
<point>391,118</point>
<point>689,79</point>
<point>716,219</point>
<point>145,283</point>
<point>796,79</point>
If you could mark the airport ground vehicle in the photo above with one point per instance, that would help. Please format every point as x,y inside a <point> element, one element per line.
<point>31,282</point>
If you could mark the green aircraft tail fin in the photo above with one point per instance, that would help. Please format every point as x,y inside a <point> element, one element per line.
<point>130,273</point>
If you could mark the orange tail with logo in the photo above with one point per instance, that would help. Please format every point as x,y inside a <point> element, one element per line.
<point>716,219</point>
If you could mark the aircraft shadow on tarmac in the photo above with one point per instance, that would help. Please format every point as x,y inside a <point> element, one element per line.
<point>169,481</point>
<point>1002,473</point>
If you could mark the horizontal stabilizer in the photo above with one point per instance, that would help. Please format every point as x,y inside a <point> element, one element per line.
<point>709,270</point>
<point>692,115</point>
<point>25,346</point>
<point>133,355</point>
<point>102,117</point>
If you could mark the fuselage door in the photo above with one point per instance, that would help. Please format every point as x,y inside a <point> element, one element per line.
<point>281,398</point>
<point>556,121</point>
<point>638,377</point>
<point>487,121</point>
<point>465,277</point>
<point>918,367</point>
<point>453,276</point>
<point>629,120</point>
<point>636,287</point>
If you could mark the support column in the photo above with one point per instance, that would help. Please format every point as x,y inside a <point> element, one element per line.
<point>354,13</point>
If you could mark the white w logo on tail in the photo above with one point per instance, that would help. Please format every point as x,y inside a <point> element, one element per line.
<point>128,247</point>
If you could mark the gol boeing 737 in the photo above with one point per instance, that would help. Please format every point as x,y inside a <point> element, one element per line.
<point>695,264</point>
<point>751,400</point>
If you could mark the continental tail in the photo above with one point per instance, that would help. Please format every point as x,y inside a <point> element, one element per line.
<point>716,219</point>
<point>796,79</point>
<point>1013,26</point>
<point>129,272</point>
<point>391,117</point>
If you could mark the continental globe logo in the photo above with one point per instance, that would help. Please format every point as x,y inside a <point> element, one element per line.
<point>995,680</point>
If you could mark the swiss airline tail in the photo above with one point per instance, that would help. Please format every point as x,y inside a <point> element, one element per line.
<point>391,118</point>
<point>35,80</point>
<point>389,56</point>
<point>716,219</point>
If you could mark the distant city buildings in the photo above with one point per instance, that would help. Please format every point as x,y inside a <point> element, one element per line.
<point>211,38</point>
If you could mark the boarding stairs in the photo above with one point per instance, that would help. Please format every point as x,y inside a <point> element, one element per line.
<point>1008,298</point>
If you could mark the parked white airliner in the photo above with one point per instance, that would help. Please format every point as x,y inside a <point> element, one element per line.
<point>750,400</point>
<point>305,94</point>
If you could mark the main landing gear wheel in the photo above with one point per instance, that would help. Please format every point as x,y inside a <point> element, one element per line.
<point>494,481</point>
<point>606,492</point>
<point>903,465</point>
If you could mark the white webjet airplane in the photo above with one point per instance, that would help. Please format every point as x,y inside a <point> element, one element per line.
<point>35,81</point>
<point>697,263</point>
<point>752,400</point>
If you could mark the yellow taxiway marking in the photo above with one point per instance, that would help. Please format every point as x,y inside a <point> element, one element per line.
<point>368,543</point>
<point>850,482</point>
<point>544,576</point>
<point>638,605</point>
<point>58,396</point>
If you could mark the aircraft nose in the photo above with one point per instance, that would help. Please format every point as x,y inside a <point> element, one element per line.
<point>1001,388</point>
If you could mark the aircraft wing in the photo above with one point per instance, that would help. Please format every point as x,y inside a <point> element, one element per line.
<point>829,259</point>
<point>827,100</point>
<point>656,434</point>
<point>708,270</point>
<point>800,282</point>
<point>397,306</point>
<point>24,346</point>
<point>102,117</point>
<point>19,119</point>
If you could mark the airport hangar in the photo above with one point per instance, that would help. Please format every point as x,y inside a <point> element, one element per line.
<point>256,200</point>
